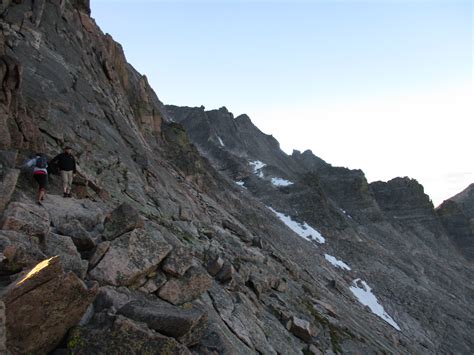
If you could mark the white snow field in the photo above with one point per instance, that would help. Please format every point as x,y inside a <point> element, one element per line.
<point>364,294</point>
<point>281,182</point>
<point>302,229</point>
<point>257,167</point>
<point>336,262</point>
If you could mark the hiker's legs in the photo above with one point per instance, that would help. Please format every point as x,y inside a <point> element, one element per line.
<point>41,193</point>
<point>42,180</point>
<point>64,178</point>
<point>67,181</point>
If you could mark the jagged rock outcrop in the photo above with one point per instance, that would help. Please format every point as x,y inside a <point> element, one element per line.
<point>404,200</point>
<point>237,134</point>
<point>42,305</point>
<point>457,217</point>
<point>348,188</point>
<point>82,5</point>
<point>466,199</point>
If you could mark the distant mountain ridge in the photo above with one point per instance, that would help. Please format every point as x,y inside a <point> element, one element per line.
<point>402,233</point>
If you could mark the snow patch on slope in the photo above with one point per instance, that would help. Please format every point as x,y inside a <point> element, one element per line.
<point>336,262</point>
<point>220,141</point>
<point>364,294</point>
<point>345,212</point>
<point>302,229</point>
<point>240,183</point>
<point>281,182</point>
<point>257,167</point>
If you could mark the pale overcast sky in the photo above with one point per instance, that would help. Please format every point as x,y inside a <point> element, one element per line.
<point>384,86</point>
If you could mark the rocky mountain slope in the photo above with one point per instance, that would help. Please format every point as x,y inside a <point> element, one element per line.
<point>457,216</point>
<point>160,252</point>
<point>388,232</point>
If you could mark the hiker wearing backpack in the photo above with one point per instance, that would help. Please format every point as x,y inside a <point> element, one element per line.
<point>40,173</point>
<point>67,167</point>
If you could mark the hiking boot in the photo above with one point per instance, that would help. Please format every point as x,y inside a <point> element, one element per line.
<point>39,203</point>
<point>65,195</point>
<point>69,195</point>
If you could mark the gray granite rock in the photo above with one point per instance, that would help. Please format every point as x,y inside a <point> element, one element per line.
<point>121,220</point>
<point>301,328</point>
<point>8,180</point>
<point>55,244</point>
<point>20,251</point>
<point>26,218</point>
<point>195,282</point>
<point>129,257</point>
<point>457,217</point>
<point>118,335</point>
<point>43,305</point>
<point>186,325</point>
<point>80,237</point>
<point>177,262</point>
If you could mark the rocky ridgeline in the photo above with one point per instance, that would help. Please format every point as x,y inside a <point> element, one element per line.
<point>415,256</point>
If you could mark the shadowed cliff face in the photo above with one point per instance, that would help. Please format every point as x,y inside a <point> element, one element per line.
<point>457,217</point>
<point>388,231</point>
<point>404,200</point>
<point>466,200</point>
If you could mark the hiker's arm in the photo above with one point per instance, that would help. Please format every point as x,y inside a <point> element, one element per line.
<point>30,163</point>
<point>55,159</point>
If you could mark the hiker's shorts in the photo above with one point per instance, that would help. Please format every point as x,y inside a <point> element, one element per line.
<point>67,180</point>
<point>42,180</point>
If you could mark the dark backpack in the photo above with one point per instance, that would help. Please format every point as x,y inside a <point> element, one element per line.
<point>41,162</point>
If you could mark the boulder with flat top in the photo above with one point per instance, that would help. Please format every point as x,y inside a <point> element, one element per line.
<point>184,324</point>
<point>42,305</point>
<point>26,218</point>
<point>129,257</point>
